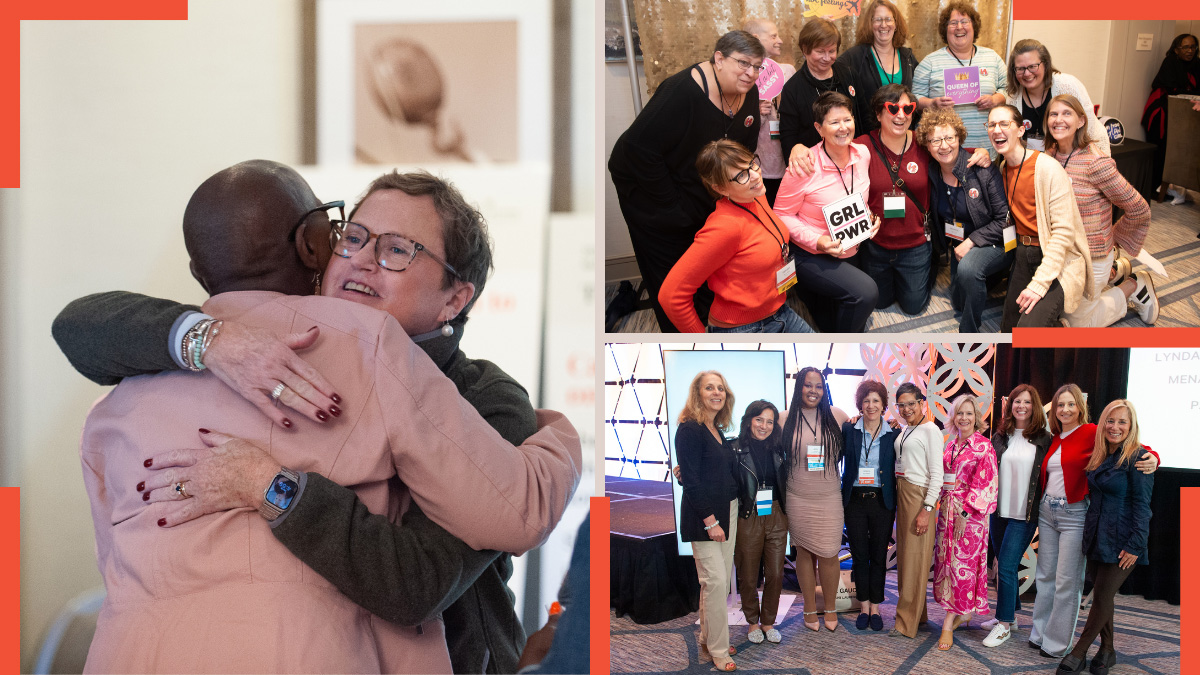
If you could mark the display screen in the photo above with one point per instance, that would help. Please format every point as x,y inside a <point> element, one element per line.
<point>1164,387</point>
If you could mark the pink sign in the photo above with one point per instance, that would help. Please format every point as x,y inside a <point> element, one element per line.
<point>962,84</point>
<point>770,80</point>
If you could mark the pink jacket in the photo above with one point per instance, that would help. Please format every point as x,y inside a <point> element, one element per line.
<point>219,593</point>
<point>801,199</point>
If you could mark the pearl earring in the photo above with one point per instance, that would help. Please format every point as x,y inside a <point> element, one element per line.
<point>447,329</point>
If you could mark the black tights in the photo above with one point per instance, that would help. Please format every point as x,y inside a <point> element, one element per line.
<point>1109,577</point>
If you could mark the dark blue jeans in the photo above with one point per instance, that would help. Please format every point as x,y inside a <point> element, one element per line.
<point>968,282</point>
<point>785,320</point>
<point>902,275</point>
<point>1010,538</point>
<point>840,296</point>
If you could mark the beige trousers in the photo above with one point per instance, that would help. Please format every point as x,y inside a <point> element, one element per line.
<point>714,565</point>
<point>1108,306</point>
<point>914,555</point>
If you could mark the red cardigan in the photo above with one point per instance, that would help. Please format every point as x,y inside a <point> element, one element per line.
<point>1076,451</point>
<point>738,256</point>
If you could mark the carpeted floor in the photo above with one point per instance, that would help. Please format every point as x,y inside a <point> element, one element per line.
<point>1172,240</point>
<point>1146,639</point>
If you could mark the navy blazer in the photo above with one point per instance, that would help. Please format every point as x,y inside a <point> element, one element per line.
<point>707,471</point>
<point>852,442</point>
<point>988,209</point>
<point>1118,518</point>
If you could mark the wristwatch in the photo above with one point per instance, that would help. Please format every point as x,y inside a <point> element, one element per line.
<point>927,507</point>
<point>279,494</point>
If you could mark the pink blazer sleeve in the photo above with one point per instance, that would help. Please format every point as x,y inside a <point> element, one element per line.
<point>466,477</point>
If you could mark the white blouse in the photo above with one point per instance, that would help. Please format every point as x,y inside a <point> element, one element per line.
<point>1055,486</point>
<point>1015,468</point>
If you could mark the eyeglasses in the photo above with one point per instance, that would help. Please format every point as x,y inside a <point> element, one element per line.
<point>907,406</point>
<point>895,108</point>
<point>960,22</point>
<point>339,205</point>
<point>743,176</point>
<point>746,65</point>
<point>883,21</point>
<point>938,142</point>
<point>1021,70</point>
<point>1002,124</point>
<point>392,252</point>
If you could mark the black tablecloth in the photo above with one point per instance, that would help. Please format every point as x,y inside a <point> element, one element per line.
<point>650,581</point>
<point>1135,161</point>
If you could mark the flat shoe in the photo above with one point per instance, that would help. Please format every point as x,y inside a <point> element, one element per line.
<point>774,636</point>
<point>1102,661</point>
<point>1047,655</point>
<point>1071,664</point>
<point>756,636</point>
<point>1032,644</point>
<point>876,622</point>
<point>998,636</point>
<point>862,621</point>
<point>895,632</point>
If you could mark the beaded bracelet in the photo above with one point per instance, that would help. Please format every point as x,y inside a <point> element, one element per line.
<point>197,341</point>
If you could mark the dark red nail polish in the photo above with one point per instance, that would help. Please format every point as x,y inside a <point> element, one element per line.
<point>141,486</point>
<point>322,416</point>
<point>147,463</point>
<point>336,399</point>
<point>145,496</point>
<point>287,424</point>
<point>162,522</point>
<point>335,411</point>
<point>205,431</point>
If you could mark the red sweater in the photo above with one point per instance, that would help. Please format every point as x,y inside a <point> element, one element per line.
<point>738,256</point>
<point>1076,451</point>
<point>909,231</point>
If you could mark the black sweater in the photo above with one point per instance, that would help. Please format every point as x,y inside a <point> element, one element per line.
<point>796,105</point>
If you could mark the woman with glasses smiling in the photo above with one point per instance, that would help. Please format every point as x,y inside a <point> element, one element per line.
<point>741,252</point>
<point>1033,81</point>
<point>969,214</point>
<point>653,164</point>
<point>879,57</point>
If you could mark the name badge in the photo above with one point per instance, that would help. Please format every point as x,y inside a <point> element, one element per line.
<point>893,206</point>
<point>773,125</point>
<point>1010,238</point>
<point>816,458</point>
<point>763,501</point>
<point>785,277</point>
<point>899,468</point>
<point>866,476</point>
<point>948,481</point>
<point>955,230</point>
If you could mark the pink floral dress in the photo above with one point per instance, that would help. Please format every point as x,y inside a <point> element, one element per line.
<point>960,564</point>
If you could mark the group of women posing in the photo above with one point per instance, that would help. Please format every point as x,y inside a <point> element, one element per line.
<point>875,123</point>
<point>1086,489</point>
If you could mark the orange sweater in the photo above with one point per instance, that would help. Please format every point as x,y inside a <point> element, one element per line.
<point>738,256</point>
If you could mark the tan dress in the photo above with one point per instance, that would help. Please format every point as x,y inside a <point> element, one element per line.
<point>814,498</point>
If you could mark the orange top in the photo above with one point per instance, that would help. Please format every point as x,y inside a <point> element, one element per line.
<point>738,255</point>
<point>1022,204</point>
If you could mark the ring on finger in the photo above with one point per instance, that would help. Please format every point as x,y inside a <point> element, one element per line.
<point>277,392</point>
<point>181,488</point>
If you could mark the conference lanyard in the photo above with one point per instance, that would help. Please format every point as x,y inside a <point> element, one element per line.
<point>782,241</point>
<point>839,170</point>
<point>892,75</point>
<point>868,446</point>
<point>974,49</point>
<point>810,426</point>
<point>1068,159</point>
<point>1012,194</point>
<point>893,168</point>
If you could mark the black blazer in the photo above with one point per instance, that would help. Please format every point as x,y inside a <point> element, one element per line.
<point>1118,518</point>
<point>866,78</point>
<point>706,469</point>
<point>852,442</point>
<point>1033,499</point>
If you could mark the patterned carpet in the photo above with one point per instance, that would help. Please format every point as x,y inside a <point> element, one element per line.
<point>1172,240</point>
<point>1146,639</point>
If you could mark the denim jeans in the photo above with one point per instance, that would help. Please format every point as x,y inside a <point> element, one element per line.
<point>902,275</point>
<point>1010,538</point>
<point>785,320</point>
<point>1060,568</point>
<point>968,282</point>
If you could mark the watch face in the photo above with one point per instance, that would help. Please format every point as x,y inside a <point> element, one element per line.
<point>282,490</point>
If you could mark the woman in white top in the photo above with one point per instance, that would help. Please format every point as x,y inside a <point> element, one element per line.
<point>1033,81</point>
<point>1021,442</point>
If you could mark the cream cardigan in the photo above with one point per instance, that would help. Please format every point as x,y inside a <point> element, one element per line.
<point>1065,253</point>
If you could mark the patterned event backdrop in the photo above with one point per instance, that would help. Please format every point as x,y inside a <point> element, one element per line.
<point>677,33</point>
<point>635,423</point>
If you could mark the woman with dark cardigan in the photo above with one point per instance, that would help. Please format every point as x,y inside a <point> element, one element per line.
<point>879,57</point>
<point>1116,529</point>
<point>708,510</point>
<point>1178,74</point>
<point>653,164</point>
<point>821,72</point>
<point>869,497</point>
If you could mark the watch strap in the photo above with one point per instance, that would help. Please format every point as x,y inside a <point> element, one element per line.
<point>268,510</point>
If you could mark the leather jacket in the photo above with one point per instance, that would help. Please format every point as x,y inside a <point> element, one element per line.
<point>749,478</point>
<point>1033,498</point>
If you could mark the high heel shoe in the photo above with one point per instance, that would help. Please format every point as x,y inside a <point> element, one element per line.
<point>1102,661</point>
<point>811,625</point>
<point>831,626</point>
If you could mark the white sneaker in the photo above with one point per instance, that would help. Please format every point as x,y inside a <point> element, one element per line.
<point>756,636</point>
<point>1144,299</point>
<point>989,624</point>
<point>1177,194</point>
<point>998,636</point>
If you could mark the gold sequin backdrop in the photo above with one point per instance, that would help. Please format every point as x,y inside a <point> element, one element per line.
<point>677,33</point>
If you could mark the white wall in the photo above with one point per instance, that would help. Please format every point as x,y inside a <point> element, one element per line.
<point>1076,48</point>
<point>618,115</point>
<point>121,120</point>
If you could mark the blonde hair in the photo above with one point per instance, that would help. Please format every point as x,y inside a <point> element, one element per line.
<point>694,410</point>
<point>1080,403</point>
<point>1129,448</point>
<point>980,424</point>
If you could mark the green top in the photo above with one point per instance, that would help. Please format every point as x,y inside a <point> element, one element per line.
<point>884,77</point>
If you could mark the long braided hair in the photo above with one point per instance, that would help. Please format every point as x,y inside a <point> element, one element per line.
<point>831,433</point>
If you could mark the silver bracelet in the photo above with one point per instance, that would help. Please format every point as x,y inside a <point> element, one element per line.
<point>196,342</point>
<point>709,527</point>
